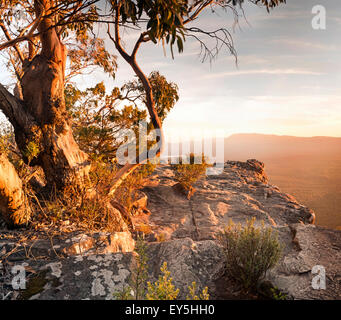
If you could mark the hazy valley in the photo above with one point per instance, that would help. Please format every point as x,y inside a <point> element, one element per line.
<point>307,168</point>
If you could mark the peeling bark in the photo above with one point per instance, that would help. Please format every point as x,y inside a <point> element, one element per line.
<point>24,124</point>
<point>41,116</point>
<point>13,206</point>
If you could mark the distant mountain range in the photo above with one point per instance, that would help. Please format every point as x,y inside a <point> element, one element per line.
<point>307,168</point>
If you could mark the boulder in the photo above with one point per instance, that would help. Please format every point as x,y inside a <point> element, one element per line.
<point>188,261</point>
<point>61,246</point>
<point>100,276</point>
<point>312,252</point>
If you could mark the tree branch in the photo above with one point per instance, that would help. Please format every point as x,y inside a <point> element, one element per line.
<point>30,35</point>
<point>15,111</point>
<point>8,37</point>
<point>222,38</point>
<point>131,60</point>
<point>201,7</point>
<point>141,39</point>
<point>117,39</point>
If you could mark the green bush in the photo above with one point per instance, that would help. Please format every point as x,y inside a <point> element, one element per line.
<point>250,252</point>
<point>192,293</point>
<point>136,290</point>
<point>32,151</point>
<point>162,289</point>
<point>278,294</point>
<point>139,275</point>
<point>188,173</point>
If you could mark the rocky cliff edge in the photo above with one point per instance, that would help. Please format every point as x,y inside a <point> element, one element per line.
<point>182,232</point>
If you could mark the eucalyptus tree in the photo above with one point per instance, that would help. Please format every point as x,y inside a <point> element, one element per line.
<point>37,37</point>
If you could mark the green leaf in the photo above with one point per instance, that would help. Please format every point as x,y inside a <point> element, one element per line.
<point>180,44</point>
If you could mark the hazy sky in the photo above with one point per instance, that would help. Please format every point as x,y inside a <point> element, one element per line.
<point>287,81</point>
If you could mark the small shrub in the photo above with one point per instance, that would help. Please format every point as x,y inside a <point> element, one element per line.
<point>143,228</point>
<point>192,293</point>
<point>267,290</point>
<point>188,173</point>
<point>32,151</point>
<point>278,294</point>
<point>125,294</point>
<point>140,273</point>
<point>6,139</point>
<point>249,252</point>
<point>136,290</point>
<point>163,289</point>
<point>161,237</point>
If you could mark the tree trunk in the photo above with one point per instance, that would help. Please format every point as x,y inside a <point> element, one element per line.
<point>43,99</point>
<point>128,168</point>
<point>39,116</point>
<point>13,207</point>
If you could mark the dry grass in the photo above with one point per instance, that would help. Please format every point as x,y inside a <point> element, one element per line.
<point>75,209</point>
<point>144,228</point>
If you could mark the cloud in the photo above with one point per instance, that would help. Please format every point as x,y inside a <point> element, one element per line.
<point>299,43</point>
<point>337,20</point>
<point>262,71</point>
